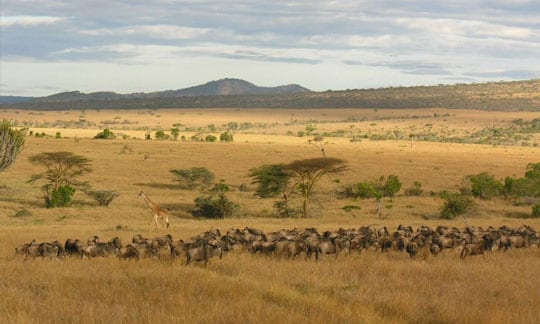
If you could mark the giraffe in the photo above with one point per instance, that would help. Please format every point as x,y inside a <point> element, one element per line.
<point>160,215</point>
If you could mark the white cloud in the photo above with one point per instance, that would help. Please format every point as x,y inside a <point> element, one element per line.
<point>469,28</point>
<point>152,31</point>
<point>8,21</point>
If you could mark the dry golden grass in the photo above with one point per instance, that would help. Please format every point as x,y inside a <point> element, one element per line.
<point>372,287</point>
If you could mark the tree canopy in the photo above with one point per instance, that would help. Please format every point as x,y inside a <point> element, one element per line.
<point>11,143</point>
<point>308,172</point>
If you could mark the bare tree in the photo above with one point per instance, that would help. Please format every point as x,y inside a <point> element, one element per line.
<point>308,172</point>
<point>11,143</point>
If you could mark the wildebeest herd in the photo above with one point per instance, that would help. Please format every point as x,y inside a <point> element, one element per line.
<point>307,242</point>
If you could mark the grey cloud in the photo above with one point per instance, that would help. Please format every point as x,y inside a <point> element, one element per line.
<point>252,56</point>
<point>408,67</point>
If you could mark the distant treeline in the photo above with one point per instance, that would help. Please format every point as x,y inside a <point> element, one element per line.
<point>504,96</point>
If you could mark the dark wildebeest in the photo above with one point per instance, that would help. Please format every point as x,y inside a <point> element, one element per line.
<point>74,247</point>
<point>128,252</point>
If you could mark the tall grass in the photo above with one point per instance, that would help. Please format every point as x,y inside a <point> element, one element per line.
<point>371,287</point>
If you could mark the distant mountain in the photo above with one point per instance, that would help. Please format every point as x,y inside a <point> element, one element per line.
<point>234,93</point>
<point>223,87</point>
<point>227,87</point>
<point>14,99</point>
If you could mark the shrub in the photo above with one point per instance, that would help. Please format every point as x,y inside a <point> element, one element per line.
<point>364,190</point>
<point>226,137</point>
<point>415,190</point>
<point>391,185</point>
<point>455,205</point>
<point>283,210</point>
<point>536,211</point>
<point>104,198</point>
<point>105,134</point>
<point>61,197</point>
<point>210,138</point>
<point>214,207</point>
<point>349,208</point>
<point>22,213</point>
<point>175,132</point>
<point>160,135</point>
<point>485,186</point>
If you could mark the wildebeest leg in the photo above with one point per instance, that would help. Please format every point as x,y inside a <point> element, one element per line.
<point>188,258</point>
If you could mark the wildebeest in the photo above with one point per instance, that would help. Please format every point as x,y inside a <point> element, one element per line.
<point>74,247</point>
<point>100,250</point>
<point>201,250</point>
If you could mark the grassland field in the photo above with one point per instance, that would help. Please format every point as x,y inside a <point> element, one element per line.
<point>371,287</point>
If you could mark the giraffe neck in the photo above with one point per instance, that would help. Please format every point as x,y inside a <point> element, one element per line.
<point>150,203</point>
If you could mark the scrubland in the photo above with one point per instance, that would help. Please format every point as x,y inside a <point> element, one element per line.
<point>369,287</point>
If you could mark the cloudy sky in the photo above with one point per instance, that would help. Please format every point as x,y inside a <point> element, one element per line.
<point>48,46</point>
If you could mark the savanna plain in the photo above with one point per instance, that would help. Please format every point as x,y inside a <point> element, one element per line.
<point>435,147</point>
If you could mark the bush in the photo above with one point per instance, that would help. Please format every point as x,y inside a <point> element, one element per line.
<point>61,197</point>
<point>214,207</point>
<point>105,134</point>
<point>210,138</point>
<point>415,190</point>
<point>485,186</point>
<point>23,213</point>
<point>455,205</point>
<point>226,137</point>
<point>364,190</point>
<point>283,210</point>
<point>391,185</point>
<point>536,211</point>
<point>104,198</point>
<point>160,135</point>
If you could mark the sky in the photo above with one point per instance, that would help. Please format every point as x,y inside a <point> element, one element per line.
<point>50,46</point>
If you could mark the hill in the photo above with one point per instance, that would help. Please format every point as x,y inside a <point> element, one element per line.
<point>234,93</point>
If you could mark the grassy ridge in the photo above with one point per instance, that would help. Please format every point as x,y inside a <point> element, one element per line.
<point>504,96</point>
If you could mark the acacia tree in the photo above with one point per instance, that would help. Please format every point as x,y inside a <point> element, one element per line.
<point>308,172</point>
<point>271,180</point>
<point>61,176</point>
<point>11,142</point>
<point>195,178</point>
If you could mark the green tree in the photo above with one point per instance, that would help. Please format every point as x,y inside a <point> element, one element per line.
<point>271,180</point>
<point>194,178</point>
<point>62,172</point>
<point>11,143</point>
<point>390,185</point>
<point>226,137</point>
<point>485,186</point>
<point>307,174</point>
<point>175,131</point>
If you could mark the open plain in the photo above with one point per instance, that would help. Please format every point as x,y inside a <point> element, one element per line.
<point>436,147</point>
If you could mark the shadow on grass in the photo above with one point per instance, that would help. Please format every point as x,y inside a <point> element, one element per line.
<point>519,215</point>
